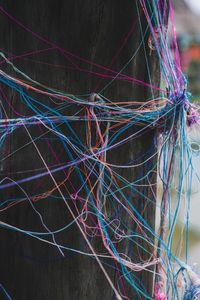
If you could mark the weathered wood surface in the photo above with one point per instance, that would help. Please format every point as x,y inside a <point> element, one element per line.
<point>95,30</point>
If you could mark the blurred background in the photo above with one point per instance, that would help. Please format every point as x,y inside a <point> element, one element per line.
<point>187,24</point>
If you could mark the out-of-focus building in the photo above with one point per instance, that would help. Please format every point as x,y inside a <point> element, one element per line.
<point>187,23</point>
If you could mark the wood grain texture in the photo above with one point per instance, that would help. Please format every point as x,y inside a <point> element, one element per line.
<point>95,30</point>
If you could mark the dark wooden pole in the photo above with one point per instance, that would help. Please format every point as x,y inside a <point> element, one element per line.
<point>109,33</point>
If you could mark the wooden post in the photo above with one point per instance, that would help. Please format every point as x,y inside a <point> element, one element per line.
<point>108,33</point>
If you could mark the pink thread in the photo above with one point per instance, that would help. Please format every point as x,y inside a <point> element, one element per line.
<point>161,296</point>
<point>158,294</point>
